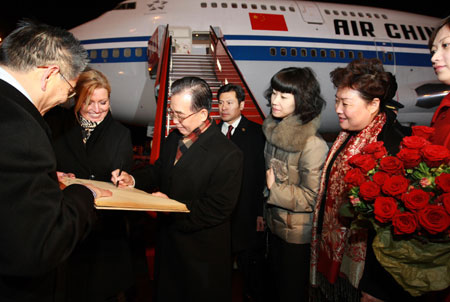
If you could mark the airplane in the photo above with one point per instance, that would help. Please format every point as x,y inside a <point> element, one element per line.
<point>264,36</point>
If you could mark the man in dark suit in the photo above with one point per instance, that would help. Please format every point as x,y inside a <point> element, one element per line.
<point>39,224</point>
<point>247,227</point>
<point>199,167</point>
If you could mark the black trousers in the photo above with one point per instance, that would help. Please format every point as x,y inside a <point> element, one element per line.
<point>288,270</point>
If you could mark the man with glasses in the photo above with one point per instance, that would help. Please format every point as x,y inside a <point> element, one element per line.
<point>201,168</point>
<point>40,224</point>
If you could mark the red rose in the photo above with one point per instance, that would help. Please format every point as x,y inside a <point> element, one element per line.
<point>354,177</point>
<point>443,182</point>
<point>410,157</point>
<point>416,199</point>
<point>369,190</point>
<point>377,149</point>
<point>404,223</point>
<point>384,209</point>
<point>380,177</point>
<point>422,131</point>
<point>445,200</point>
<point>435,155</point>
<point>392,165</point>
<point>434,219</point>
<point>414,142</point>
<point>363,161</point>
<point>395,185</point>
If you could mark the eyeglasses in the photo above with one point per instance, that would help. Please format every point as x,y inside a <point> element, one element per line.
<point>72,91</point>
<point>174,115</point>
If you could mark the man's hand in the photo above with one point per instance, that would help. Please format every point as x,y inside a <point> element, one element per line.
<point>98,191</point>
<point>124,179</point>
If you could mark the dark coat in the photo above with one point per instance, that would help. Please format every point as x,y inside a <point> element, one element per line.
<point>40,224</point>
<point>249,137</point>
<point>193,252</point>
<point>101,265</point>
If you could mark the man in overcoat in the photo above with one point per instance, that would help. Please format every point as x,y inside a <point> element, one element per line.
<point>39,224</point>
<point>201,168</point>
<point>247,225</point>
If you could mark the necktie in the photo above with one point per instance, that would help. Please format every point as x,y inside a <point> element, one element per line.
<point>230,128</point>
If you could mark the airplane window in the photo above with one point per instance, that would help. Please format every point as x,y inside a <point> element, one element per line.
<point>360,55</point>
<point>273,7</point>
<point>384,16</point>
<point>138,52</point>
<point>332,53</point>
<point>116,53</point>
<point>361,15</point>
<point>224,5</point>
<point>351,55</point>
<point>369,15</point>
<point>304,52</point>
<point>214,4</point>
<point>283,52</point>
<point>352,14</point>
<point>130,5</point>
<point>327,12</point>
<point>93,54</point>
<point>273,51</point>
<point>313,53</point>
<point>104,53</point>
<point>282,8</point>
<point>127,52</point>
<point>323,53</point>
<point>203,4</point>
<point>344,13</point>
<point>341,54</point>
<point>390,56</point>
<point>244,5</point>
<point>263,7</point>
<point>336,12</point>
<point>291,9</point>
<point>293,52</point>
<point>377,16</point>
<point>254,6</point>
<point>234,5</point>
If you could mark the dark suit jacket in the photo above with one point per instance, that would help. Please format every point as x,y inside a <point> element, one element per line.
<point>39,224</point>
<point>249,137</point>
<point>101,265</point>
<point>193,253</point>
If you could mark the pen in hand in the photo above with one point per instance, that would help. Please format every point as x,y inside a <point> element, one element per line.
<point>120,172</point>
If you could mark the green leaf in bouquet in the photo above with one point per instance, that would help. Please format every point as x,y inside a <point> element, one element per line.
<point>418,266</point>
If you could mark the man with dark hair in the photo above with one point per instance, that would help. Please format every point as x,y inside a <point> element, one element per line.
<point>247,225</point>
<point>39,224</point>
<point>199,167</point>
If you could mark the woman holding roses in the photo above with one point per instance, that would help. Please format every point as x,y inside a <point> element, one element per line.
<point>343,266</point>
<point>440,51</point>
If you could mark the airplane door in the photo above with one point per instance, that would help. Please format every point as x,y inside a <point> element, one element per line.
<point>310,12</point>
<point>182,39</point>
<point>385,52</point>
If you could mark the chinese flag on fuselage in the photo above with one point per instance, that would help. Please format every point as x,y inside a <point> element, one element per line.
<point>267,22</point>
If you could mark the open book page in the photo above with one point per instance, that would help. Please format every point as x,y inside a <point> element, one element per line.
<point>129,198</point>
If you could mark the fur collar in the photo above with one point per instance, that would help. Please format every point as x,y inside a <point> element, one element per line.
<point>289,134</point>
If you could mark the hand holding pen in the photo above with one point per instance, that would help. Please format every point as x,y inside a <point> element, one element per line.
<point>121,178</point>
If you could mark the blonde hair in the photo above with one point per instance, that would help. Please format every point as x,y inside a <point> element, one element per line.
<point>88,81</point>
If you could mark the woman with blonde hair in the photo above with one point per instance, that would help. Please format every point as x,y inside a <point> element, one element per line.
<point>90,144</point>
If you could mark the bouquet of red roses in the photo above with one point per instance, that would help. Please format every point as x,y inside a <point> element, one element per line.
<point>407,199</point>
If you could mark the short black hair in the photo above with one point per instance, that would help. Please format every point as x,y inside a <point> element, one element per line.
<point>238,90</point>
<point>199,90</point>
<point>302,83</point>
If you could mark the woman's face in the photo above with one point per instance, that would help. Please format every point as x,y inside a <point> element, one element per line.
<point>441,55</point>
<point>354,112</point>
<point>98,107</point>
<point>283,104</point>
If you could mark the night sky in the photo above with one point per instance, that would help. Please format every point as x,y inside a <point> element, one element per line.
<point>68,14</point>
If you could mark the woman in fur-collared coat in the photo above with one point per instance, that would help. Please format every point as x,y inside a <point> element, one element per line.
<point>294,155</point>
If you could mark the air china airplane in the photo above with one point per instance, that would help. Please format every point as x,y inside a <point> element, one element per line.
<point>263,37</point>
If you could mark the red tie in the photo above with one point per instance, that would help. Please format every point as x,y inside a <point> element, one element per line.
<point>230,128</point>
